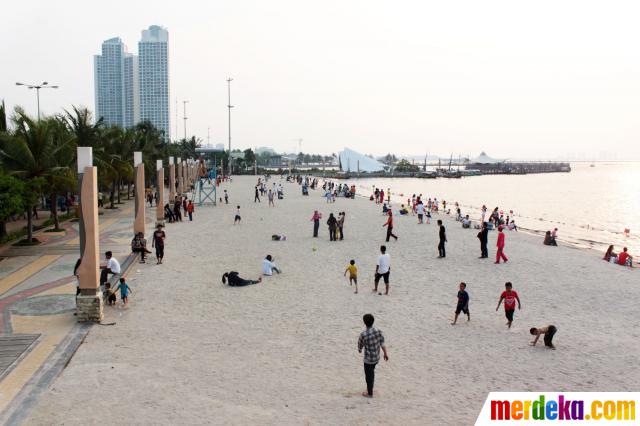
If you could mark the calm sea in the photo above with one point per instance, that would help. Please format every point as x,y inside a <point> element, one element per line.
<point>591,206</point>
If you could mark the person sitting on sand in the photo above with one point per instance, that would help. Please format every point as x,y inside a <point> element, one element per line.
<point>371,340</point>
<point>385,209</point>
<point>609,254</point>
<point>268,266</point>
<point>624,259</point>
<point>403,210</point>
<point>512,226</point>
<point>235,280</point>
<point>548,331</point>
<point>466,222</point>
<point>549,240</point>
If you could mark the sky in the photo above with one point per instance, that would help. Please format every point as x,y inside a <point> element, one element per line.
<point>548,79</point>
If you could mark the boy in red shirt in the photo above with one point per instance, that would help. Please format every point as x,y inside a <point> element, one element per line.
<point>510,297</point>
<point>624,257</point>
<point>500,245</point>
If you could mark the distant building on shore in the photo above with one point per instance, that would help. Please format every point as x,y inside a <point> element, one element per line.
<point>351,161</point>
<point>130,88</point>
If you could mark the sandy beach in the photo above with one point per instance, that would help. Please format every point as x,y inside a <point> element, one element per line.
<point>189,350</point>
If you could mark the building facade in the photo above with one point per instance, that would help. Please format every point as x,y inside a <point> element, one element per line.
<point>109,78</point>
<point>153,78</point>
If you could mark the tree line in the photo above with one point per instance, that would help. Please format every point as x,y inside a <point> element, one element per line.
<point>38,158</point>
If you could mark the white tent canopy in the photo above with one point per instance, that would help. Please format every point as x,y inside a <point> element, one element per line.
<point>351,161</point>
<point>483,158</point>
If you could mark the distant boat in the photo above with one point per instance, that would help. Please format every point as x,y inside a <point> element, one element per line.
<point>592,165</point>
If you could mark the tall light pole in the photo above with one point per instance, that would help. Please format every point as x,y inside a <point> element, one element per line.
<point>184,117</point>
<point>43,85</point>
<point>229,106</point>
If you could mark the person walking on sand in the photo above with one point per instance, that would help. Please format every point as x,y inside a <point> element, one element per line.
<point>237,219</point>
<point>270,197</point>
<point>420,210</point>
<point>341,225</point>
<point>256,198</point>
<point>316,222</point>
<point>371,340</point>
<point>383,270</point>
<point>333,226</point>
<point>500,245</point>
<point>226,197</point>
<point>190,209</point>
<point>442,234</point>
<point>352,269</point>
<point>463,303</point>
<point>158,243</point>
<point>510,298</point>
<point>549,331</point>
<point>483,236</point>
<point>124,291</point>
<point>389,225</point>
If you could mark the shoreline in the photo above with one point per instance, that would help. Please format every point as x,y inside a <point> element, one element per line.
<point>189,349</point>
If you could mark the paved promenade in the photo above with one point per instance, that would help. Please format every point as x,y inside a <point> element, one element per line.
<point>38,331</point>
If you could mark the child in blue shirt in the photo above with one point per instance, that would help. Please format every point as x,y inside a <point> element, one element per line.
<point>124,291</point>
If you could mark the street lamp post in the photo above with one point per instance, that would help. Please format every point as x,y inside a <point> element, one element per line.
<point>43,85</point>
<point>184,117</point>
<point>229,106</point>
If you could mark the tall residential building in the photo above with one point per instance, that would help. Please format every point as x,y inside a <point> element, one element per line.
<point>131,91</point>
<point>115,75</point>
<point>153,67</point>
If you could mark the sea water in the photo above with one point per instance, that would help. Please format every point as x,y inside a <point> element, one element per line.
<point>591,206</point>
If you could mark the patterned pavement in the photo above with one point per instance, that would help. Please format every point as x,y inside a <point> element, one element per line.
<point>38,331</point>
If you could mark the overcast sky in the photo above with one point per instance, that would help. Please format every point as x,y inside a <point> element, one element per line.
<point>512,78</point>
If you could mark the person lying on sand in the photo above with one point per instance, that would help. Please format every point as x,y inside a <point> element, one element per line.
<point>235,280</point>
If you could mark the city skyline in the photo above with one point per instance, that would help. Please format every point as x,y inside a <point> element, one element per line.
<point>427,77</point>
<point>133,88</point>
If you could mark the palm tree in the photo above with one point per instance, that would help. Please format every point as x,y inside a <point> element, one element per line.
<point>61,176</point>
<point>27,154</point>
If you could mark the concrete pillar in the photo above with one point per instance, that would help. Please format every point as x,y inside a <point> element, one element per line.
<point>138,222</point>
<point>160,206</point>
<point>89,303</point>
<point>180,180</point>
<point>172,181</point>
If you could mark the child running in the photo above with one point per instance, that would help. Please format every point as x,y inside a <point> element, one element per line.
<point>124,291</point>
<point>463,303</point>
<point>353,274</point>
<point>510,297</point>
<point>237,218</point>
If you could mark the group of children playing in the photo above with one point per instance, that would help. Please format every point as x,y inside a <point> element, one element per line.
<point>511,299</point>
<point>508,296</point>
<point>110,294</point>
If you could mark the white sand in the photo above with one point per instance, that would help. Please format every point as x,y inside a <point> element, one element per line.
<point>190,350</point>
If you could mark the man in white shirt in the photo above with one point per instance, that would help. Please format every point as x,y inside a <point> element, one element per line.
<point>383,269</point>
<point>420,211</point>
<point>268,266</point>
<point>112,267</point>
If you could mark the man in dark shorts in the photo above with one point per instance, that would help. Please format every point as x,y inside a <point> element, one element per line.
<point>548,331</point>
<point>383,269</point>
<point>463,303</point>
<point>158,243</point>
